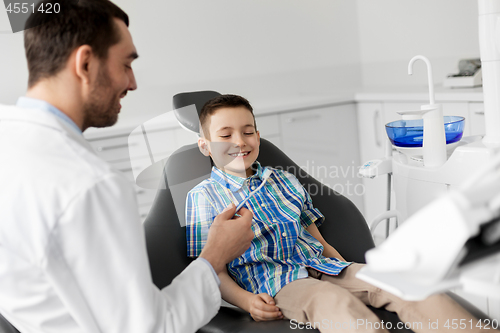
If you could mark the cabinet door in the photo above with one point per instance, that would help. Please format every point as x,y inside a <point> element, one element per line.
<point>324,142</point>
<point>476,116</point>
<point>133,152</point>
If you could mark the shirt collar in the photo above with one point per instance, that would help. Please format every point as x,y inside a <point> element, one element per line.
<point>234,183</point>
<point>33,103</point>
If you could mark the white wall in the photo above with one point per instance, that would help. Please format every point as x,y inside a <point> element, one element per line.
<point>391,32</point>
<point>13,68</point>
<point>254,48</point>
<point>260,48</point>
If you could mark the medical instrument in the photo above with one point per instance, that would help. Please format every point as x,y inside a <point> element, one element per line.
<point>265,176</point>
<point>454,240</point>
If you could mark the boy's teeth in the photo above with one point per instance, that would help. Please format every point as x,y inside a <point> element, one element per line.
<point>239,154</point>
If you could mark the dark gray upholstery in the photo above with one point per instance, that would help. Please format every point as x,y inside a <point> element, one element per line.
<point>198,98</point>
<point>6,327</point>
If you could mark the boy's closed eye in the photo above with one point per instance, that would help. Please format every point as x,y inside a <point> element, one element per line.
<point>229,135</point>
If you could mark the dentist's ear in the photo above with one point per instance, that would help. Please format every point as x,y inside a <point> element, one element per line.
<point>203,146</point>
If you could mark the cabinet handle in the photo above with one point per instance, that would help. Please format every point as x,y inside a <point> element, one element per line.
<point>376,117</point>
<point>307,117</point>
<point>103,148</point>
<point>128,169</point>
<point>479,112</point>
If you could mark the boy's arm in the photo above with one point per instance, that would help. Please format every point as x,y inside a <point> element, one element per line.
<point>260,306</point>
<point>328,250</point>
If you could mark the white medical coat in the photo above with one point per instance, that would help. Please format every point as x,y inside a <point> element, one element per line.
<point>72,249</point>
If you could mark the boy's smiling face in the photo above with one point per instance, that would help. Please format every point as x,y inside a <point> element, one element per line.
<point>233,140</point>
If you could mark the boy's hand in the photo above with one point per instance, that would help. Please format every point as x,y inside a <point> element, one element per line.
<point>228,238</point>
<point>263,308</point>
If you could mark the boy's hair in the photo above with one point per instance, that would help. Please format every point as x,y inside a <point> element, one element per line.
<point>219,102</point>
<point>50,38</point>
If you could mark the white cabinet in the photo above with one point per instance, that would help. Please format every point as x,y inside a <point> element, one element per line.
<point>112,145</point>
<point>476,116</point>
<point>324,142</point>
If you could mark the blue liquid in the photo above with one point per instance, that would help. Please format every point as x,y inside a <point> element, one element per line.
<point>410,133</point>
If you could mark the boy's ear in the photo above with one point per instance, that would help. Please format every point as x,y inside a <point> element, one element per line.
<point>203,146</point>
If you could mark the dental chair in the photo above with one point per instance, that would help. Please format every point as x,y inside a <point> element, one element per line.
<point>6,327</point>
<point>344,226</point>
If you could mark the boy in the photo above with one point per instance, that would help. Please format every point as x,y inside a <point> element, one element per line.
<point>288,258</point>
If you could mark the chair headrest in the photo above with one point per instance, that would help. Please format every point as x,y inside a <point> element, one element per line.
<point>190,120</point>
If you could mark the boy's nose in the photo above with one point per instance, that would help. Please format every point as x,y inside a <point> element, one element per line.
<point>239,142</point>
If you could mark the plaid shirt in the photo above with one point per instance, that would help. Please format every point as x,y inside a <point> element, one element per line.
<point>282,248</point>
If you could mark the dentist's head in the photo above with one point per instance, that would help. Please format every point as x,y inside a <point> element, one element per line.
<point>79,59</point>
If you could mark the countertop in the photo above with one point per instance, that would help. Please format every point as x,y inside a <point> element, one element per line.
<point>280,104</point>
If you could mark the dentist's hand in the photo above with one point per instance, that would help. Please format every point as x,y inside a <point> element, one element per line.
<point>228,237</point>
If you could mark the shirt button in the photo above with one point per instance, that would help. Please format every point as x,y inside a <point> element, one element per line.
<point>253,188</point>
<point>275,221</point>
<point>263,205</point>
<point>283,234</point>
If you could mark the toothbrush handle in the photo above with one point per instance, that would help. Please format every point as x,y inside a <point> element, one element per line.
<point>241,204</point>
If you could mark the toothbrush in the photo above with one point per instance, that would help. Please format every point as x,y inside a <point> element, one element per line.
<point>265,177</point>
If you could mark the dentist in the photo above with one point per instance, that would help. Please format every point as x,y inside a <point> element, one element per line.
<point>72,250</point>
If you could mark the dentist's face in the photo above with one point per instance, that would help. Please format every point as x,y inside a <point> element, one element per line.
<point>113,79</point>
<point>234,141</point>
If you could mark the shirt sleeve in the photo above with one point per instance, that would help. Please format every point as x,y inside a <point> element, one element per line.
<point>310,214</point>
<point>209,265</point>
<point>200,214</point>
<point>97,262</point>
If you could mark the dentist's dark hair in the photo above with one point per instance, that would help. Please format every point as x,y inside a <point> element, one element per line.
<point>50,38</point>
<point>219,102</point>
